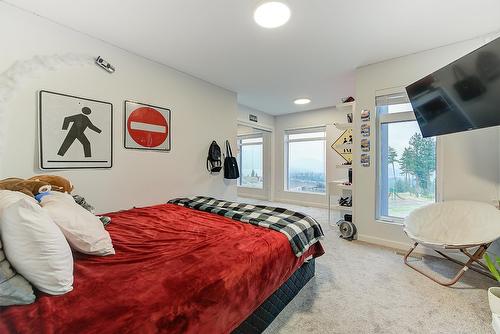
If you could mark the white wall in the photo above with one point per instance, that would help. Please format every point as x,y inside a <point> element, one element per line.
<point>320,117</point>
<point>201,112</point>
<point>264,120</point>
<point>468,162</point>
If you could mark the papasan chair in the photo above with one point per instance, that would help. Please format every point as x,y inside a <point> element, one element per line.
<point>467,226</point>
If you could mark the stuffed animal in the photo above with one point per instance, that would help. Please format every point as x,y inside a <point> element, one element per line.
<point>28,187</point>
<point>58,183</point>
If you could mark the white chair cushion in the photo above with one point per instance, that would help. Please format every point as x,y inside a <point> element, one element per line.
<point>36,247</point>
<point>83,230</point>
<point>454,223</point>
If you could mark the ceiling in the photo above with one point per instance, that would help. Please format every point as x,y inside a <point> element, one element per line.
<point>314,55</point>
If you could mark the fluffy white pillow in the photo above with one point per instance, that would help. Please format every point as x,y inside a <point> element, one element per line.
<point>36,247</point>
<point>84,231</point>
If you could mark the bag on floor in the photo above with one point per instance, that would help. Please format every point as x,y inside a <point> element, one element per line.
<point>231,171</point>
<point>214,162</point>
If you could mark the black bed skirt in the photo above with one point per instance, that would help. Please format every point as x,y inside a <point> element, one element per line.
<point>264,315</point>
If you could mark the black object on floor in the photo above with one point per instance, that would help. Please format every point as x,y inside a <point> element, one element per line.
<point>264,315</point>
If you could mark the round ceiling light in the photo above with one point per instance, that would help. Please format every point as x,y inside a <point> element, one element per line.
<point>301,101</point>
<point>272,14</point>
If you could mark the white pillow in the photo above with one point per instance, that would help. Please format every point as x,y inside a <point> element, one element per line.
<point>8,197</point>
<point>36,247</point>
<point>84,231</point>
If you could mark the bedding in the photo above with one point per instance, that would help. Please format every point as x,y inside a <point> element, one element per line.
<point>301,230</point>
<point>176,270</point>
<point>36,247</point>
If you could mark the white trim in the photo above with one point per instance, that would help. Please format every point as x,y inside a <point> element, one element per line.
<point>301,203</point>
<point>256,126</point>
<point>385,242</point>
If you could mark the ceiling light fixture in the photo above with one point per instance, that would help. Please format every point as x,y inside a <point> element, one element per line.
<point>272,14</point>
<point>302,100</point>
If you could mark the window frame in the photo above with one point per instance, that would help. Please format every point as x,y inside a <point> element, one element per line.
<point>240,156</point>
<point>394,118</point>
<point>287,141</point>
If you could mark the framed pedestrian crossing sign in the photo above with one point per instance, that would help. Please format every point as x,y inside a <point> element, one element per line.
<point>74,132</point>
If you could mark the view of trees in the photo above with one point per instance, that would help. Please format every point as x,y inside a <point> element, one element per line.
<point>417,163</point>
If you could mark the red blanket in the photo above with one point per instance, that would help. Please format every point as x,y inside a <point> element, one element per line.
<point>176,270</point>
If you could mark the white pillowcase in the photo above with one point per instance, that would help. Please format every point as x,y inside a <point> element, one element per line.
<point>84,231</point>
<point>35,246</point>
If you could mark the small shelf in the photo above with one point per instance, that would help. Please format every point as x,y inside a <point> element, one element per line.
<point>345,105</point>
<point>344,186</point>
<point>342,208</point>
<point>344,166</point>
<point>343,126</point>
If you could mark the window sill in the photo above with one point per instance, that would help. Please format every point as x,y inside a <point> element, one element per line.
<point>250,188</point>
<point>305,192</point>
<point>394,221</point>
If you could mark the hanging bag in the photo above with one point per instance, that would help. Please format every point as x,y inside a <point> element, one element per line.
<point>214,162</point>
<point>231,171</point>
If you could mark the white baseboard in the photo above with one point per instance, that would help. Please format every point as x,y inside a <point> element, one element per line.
<point>404,247</point>
<point>384,242</point>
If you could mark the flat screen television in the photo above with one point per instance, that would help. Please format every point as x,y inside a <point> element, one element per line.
<point>462,96</point>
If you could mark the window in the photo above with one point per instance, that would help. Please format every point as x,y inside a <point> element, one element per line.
<point>305,160</point>
<point>250,159</point>
<point>406,161</point>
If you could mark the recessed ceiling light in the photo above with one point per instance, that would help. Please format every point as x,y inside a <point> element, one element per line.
<point>301,101</point>
<point>272,14</point>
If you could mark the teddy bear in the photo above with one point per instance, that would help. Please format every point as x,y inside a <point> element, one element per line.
<point>64,185</point>
<point>28,187</point>
<point>58,183</point>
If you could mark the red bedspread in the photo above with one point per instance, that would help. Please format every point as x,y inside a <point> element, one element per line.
<point>176,270</point>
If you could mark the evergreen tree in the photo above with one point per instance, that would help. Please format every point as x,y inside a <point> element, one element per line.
<point>391,159</point>
<point>423,162</point>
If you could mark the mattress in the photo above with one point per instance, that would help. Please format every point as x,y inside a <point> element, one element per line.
<point>176,270</point>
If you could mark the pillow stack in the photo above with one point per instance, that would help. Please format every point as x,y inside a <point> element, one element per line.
<point>36,241</point>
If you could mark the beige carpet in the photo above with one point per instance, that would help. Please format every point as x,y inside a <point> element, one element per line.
<point>361,288</point>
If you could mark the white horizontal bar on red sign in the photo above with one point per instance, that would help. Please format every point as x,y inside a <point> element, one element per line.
<point>148,127</point>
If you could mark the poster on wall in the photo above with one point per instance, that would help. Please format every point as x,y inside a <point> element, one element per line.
<point>74,132</point>
<point>147,127</point>
<point>343,145</point>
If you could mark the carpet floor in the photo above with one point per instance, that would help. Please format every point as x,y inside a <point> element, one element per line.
<point>362,288</point>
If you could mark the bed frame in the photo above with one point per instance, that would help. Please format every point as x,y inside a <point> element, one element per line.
<point>264,315</point>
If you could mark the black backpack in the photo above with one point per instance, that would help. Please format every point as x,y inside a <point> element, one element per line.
<point>214,162</point>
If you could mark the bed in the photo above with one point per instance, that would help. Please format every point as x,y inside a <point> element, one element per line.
<point>176,270</point>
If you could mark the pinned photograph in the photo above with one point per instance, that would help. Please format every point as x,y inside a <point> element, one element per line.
<point>365,115</point>
<point>365,160</point>
<point>365,145</point>
<point>74,132</point>
<point>365,130</point>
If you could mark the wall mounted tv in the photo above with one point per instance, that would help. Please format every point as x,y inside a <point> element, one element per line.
<point>462,96</point>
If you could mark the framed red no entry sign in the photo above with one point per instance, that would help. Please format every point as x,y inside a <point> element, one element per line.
<point>147,127</point>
